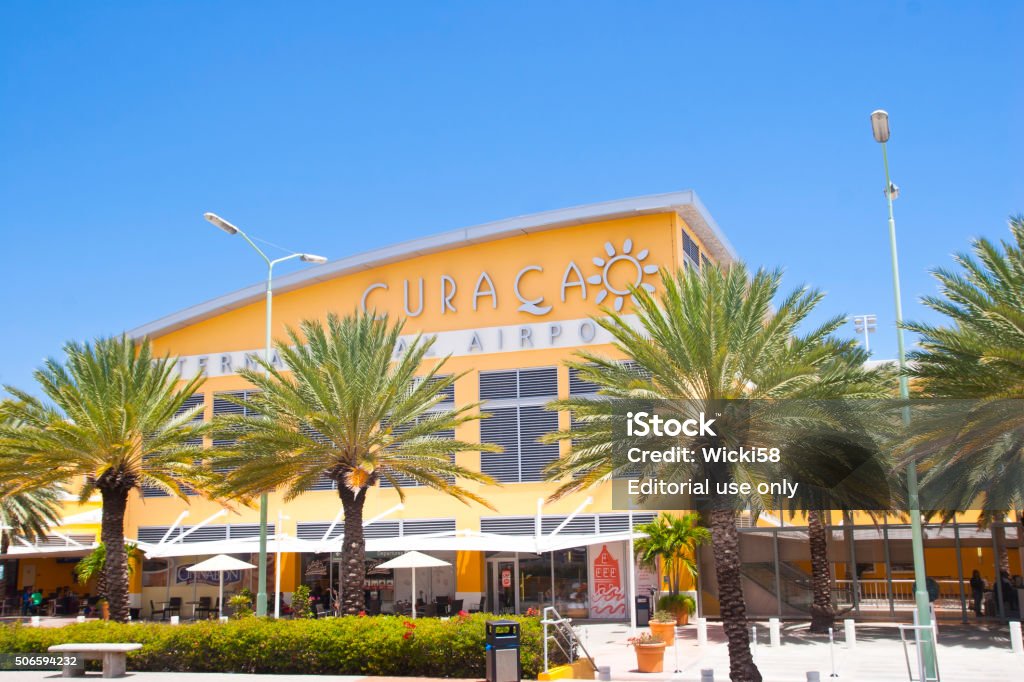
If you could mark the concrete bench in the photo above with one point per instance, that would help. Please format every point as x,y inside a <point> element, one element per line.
<point>114,657</point>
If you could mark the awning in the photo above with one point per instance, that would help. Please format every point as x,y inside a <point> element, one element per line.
<point>464,540</point>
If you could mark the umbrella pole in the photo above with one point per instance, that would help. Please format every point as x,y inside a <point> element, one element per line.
<point>220,596</point>
<point>413,592</point>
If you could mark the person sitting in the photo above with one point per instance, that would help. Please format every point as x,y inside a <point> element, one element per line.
<point>1009,591</point>
<point>37,602</point>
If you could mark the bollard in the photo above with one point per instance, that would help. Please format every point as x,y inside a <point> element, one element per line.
<point>175,620</point>
<point>1016,642</point>
<point>707,675</point>
<point>813,676</point>
<point>80,619</point>
<point>35,621</point>
<point>851,633</point>
<point>832,651</point>
<point>774,632</point>
<point>604,673</point>
<point>702,631</point>
<point>753,642</point>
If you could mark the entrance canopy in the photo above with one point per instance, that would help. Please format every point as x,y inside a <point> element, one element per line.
<point>464,540</point>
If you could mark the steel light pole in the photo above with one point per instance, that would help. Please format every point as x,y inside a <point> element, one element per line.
<point>261,595</point>
<point>880,130</point>
<point>866,325</point>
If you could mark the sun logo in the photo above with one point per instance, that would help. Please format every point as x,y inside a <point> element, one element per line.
<point>627,258</point>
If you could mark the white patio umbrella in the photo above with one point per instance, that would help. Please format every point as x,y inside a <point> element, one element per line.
<point>413,560</point>
<point>219,564</point>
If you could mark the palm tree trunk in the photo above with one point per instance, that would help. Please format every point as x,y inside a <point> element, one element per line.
<point>726,540</point>
<point>115,568</point>
<point>1003,557</point>
<point>823,613</point>
<point>353,551</point>
<point>5,544</point>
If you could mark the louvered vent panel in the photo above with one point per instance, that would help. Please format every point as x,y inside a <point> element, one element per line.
<point>534,422</point>
<point>508,525</point>
<point>579,386</point>
<point>424,526</point>
<point>582,524</point>
<point>501,428</point>
<point>540,382</point>
<point>207,534</point>
<point>153,534</point>
<point>249,530</point>
<point>381,529</point>
<point>499,385</point>
<point>309,530</point>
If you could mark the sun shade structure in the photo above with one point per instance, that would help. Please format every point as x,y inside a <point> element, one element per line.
<point>414,560</point>
<point>219,564</point>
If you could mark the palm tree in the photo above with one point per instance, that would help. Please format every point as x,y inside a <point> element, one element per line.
<point>27,513</point>
<point>669,546</point>
<point>710,338</point>
<point>975,461</point>
<point>845,467</point>
<point>352,409</point>
<point>115,420</point>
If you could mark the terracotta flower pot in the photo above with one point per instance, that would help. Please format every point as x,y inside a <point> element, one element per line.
<point>666,632</point>
<point>682,617</point>
<point>650,658</point>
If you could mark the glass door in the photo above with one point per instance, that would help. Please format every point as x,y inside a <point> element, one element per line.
<point>502,578</point>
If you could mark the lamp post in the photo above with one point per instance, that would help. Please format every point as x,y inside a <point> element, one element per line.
<point>880,130</point>
<point>866,325</point>
<point>261,595</point>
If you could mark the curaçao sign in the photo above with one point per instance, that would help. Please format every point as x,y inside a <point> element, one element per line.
<point>629,265</point>
<point>606,280</point>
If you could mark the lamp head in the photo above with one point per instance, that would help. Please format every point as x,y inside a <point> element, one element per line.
<point>880,125</point>
<point>220,223</point>
<point>312,258</point>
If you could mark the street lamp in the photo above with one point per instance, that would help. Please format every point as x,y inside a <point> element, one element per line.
<point>216,220</point>
<point>880,130</point>
<point>865,324</point>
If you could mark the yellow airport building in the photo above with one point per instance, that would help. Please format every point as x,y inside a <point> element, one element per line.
<point>509,302</point>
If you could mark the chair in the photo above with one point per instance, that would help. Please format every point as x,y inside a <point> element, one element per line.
<point>174,608</point>
<point>203,608</point>
<point>482,606</point>
<point>455,606</point>
<point>443,605</point>
<point>154,612</point>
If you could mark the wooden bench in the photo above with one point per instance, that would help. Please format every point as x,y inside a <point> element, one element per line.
<point>114,657</point>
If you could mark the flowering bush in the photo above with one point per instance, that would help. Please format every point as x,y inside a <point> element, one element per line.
<point>373,645</point>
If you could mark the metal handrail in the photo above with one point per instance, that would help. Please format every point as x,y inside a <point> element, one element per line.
<point>564,627</point>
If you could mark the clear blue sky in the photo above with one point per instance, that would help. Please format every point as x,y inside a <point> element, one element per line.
<point>335,128</point>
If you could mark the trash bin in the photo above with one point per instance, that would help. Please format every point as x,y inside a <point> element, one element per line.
<point>643,610</point>
<point>503,663</point>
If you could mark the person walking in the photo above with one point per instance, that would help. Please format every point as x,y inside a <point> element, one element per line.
<point>977,591</point>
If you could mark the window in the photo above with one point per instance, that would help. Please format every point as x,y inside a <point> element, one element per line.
<point>223,406</point>
<point>691,252</point>
<point>515,401</point>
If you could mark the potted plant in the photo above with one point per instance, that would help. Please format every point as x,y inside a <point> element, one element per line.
<point>669,547</point>
<point>650,652</point>
<point>663,626</point>
<point>681,606</point>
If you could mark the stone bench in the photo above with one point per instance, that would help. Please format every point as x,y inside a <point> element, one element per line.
<point>113,655</point>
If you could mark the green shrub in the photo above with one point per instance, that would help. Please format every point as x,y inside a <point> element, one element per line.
<point>676,603</point>
<point>301,607</point>
<point>379,645</point>
<point>241,605</point>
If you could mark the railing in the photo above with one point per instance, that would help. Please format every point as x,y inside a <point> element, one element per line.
<point>874,593</point>
<point>563,635</point>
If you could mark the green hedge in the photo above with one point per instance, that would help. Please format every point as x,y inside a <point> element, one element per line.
<point>377,645</point>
